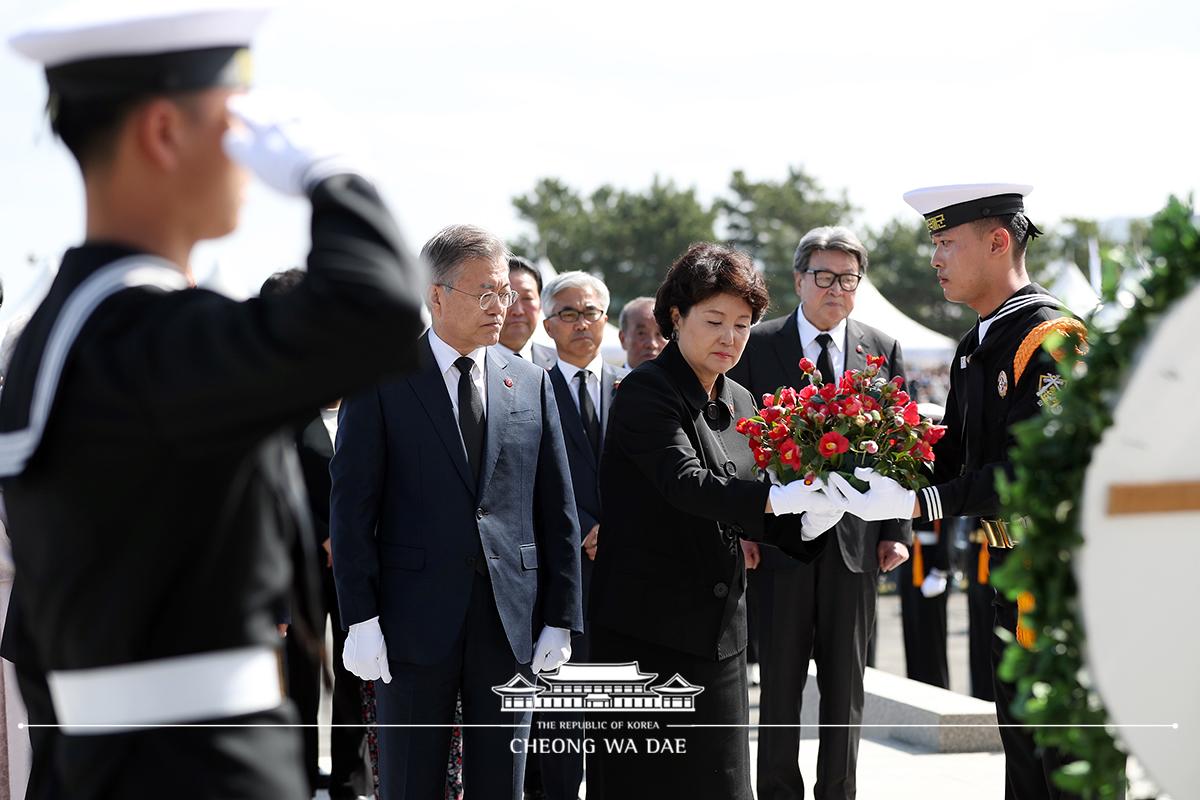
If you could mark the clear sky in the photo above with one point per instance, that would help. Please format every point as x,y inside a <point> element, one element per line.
<point>458,106</point>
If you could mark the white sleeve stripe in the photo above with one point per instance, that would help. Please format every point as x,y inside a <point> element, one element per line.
<point>933,502</point>
<point>17,447</point>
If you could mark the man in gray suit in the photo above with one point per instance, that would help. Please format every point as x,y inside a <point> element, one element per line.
<point>455,543</point>
<point>826,608</point>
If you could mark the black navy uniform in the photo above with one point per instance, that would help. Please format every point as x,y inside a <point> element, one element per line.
<point>924,618</point>
<point>153,516</point>
<point>985,401</point>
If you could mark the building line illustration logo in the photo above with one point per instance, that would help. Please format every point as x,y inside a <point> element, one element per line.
<point>597,688</point>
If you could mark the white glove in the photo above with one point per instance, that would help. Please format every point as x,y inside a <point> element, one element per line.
<point>799,497</point>
<point>553,649</point>
<point>287,153</point>
<point>934,583</point>
<point>814,523</point>
<point>886,499</point>
<point>365,653</point>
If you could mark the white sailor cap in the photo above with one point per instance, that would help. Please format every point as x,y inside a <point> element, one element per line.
<point>119,48</point>
<point>947,206</point>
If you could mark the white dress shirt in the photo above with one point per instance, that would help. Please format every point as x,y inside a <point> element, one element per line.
<point>445,355</point>
<point>526,352</point>
<point>812,349</point>
<point>594,368</point>
<point>329,416</point>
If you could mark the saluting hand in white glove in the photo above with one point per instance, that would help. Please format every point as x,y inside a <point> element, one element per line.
<point>886,499</point>
<point>289,154</point>
<point>553,649</point>
<point>365,652</point>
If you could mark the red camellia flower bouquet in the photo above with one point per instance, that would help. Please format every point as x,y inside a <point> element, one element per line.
<point>861,420</point>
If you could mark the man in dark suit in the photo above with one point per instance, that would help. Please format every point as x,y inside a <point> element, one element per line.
<point>455,545</point>
<point>576,306</point>
<point>524,315</point>
<point>826,608</point>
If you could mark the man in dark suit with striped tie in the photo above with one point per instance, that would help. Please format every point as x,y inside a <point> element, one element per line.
<point>576,306</point>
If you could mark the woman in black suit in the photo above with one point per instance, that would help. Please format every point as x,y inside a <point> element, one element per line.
<point>680,489</point>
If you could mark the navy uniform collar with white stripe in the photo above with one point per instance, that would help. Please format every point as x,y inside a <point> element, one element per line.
<point>1029,296</point>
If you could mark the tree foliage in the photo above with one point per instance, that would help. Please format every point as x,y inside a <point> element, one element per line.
<point>768,218</point>
<point>630,237</point>
<point>1050,462</point>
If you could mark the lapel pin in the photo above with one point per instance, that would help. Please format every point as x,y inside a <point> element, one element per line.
<point>859,349</point>
<point>508,382</point>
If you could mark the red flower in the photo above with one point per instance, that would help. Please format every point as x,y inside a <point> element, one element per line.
<point>787,397</point>
<point>923,451</point>
<point>852,407</point>
<point>829,391</point>
<point>806,393</point>
<point>771,414</point>
<point>898,381</point>
<point>742,425</point>
<point>761,457</point>
<point>901,398</point>
<point>768,400</point>
<point>935,434</point>
<point>876,361</point>
<point>779,432</point>
<point>832,443</point>
<point>911,415</point>
<point>789,454</point>
<point>807,366</point>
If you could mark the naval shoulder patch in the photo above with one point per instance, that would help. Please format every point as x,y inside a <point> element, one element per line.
<point>1047,392</point>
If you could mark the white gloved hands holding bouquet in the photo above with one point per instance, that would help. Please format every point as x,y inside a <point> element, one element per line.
<point>885,499</point>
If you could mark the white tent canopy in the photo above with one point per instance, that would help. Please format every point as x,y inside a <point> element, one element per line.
<point>922,347</point>
<point>1067,283</point>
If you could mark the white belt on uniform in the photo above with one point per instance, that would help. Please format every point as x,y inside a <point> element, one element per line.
<point>191,688</point>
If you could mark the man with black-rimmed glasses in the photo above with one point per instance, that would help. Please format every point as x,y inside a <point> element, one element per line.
<point>825,609</point>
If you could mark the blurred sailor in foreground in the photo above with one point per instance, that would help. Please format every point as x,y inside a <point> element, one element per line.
<point>152,494</point>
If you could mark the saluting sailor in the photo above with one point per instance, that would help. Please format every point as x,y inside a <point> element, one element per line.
<point>151,495</point>
<point>1001,375</point>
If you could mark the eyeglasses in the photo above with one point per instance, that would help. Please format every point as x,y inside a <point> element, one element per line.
<point>824,279</point>
<point>487,298</point>
<point>572,315</point>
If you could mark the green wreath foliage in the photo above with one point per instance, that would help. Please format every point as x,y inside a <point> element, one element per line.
<point>1050,458</point>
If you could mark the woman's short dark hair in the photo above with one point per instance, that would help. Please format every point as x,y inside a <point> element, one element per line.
<point>707,269</point>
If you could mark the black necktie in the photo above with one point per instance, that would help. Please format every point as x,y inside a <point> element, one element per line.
<point>587,411</point>
<point>824,360</point>
<point>470,415</point>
